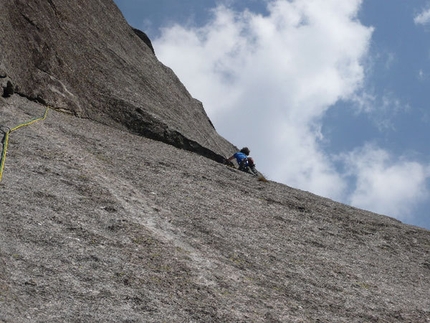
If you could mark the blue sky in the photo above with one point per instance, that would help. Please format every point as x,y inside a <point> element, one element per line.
<point>331,96</point>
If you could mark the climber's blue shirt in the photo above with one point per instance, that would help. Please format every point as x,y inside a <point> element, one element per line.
<point>239,157</point>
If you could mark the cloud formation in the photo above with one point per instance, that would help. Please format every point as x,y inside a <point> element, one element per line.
<point>423,18</point>
<point>267,81</point>
<point>386,184</point>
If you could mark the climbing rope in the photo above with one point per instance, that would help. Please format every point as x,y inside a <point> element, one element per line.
<point>6,134</point>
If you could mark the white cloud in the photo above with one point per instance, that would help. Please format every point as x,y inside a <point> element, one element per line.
<point>423,18</point>
<point>389,107</point>
<point>422,75</point>
<point>384,184</point>
<point>267,81</point>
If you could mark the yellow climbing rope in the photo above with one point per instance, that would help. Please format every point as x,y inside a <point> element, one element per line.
<point>6,139</point>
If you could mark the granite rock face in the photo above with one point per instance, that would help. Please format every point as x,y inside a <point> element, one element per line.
<point>82,57</point>
<point>135,230</point>
<point>99,222</point>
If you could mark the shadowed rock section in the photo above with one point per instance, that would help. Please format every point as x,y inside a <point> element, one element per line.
<point>82,57</point>
<point>100,224</point>
<point>144,38</point>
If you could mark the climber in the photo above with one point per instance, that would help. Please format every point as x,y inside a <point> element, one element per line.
<point>246,163</point>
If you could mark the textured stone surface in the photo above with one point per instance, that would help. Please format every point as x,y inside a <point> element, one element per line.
<point>82,57</point>
<point>100,225</point>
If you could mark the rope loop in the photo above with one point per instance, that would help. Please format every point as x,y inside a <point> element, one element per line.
<point>5,140</point>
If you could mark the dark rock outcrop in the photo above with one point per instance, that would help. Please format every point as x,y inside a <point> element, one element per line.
<point>98,224</point>
<point>8,90</point>
<point>144,38</point>
<point>82,57</point>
